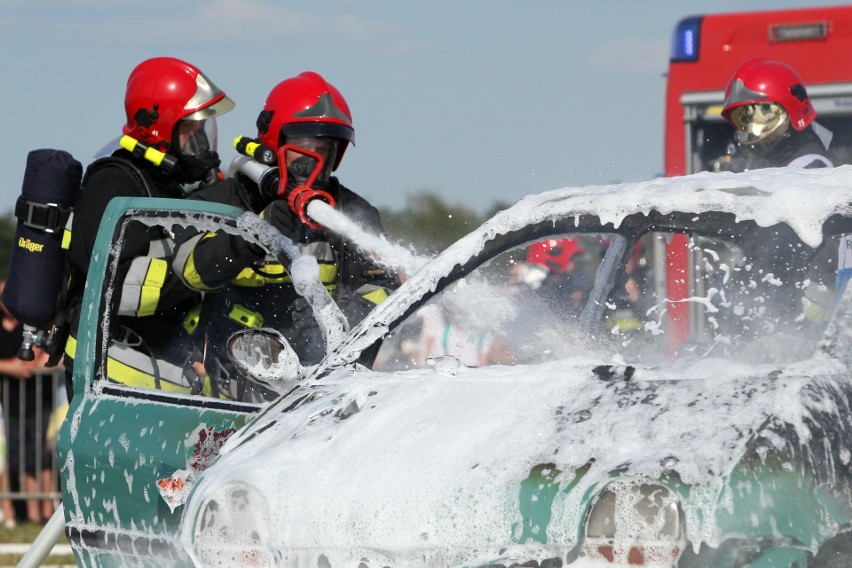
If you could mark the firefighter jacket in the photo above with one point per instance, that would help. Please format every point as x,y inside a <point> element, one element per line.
<point>252,289</point>
<point>151,303</point>
<point>801,149</point>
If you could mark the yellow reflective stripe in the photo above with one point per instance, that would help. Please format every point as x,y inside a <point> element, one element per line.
<point>273,273</point>
<point>250,278</point>
<point>71,346</point>
<point>815,313</point>
<point>190,274</point>
<point>328,273</point>
<point>207,387</point>
<point>118,372</point>
<point>66,239</point>
<point>121,373</point>
<point>191,277</point>
<point>155,278</point>
<point>624,323</point>
<point>377,296</point>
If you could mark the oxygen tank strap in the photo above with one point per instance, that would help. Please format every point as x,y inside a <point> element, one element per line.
<point>58,335</point>
<point>47,217</point>
<point>123,164</point>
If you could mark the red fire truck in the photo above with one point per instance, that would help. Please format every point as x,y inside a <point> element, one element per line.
<point>706,50</point>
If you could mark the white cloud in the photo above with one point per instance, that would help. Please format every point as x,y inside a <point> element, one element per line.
<point>254,22</point>
<point>634,55</point>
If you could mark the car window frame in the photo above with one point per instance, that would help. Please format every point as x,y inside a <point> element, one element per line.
<point>102,275</point>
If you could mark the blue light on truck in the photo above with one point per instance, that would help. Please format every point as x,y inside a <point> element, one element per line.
<point>685,41</point>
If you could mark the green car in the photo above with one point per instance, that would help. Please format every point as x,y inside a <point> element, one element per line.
<point>645,374</point>
<point>120,446</point>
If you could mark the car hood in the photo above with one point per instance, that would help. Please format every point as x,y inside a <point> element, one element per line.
<point>437,459</point>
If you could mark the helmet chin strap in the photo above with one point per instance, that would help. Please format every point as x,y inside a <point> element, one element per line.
<point>300,191</point>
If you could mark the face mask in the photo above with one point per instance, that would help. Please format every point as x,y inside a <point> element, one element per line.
<point>301,168</point>
<point>196,142</point>
<point>327,147</point>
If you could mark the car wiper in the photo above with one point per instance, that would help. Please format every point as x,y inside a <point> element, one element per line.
<point>614,372</point>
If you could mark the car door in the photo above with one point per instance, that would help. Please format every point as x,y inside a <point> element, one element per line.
<point>128,454</point>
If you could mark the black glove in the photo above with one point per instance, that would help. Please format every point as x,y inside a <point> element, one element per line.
<point>278,215</point>
<point>228,253</point>
<point>307,339</point>
<point>240,249</point>
<point>354,307</point>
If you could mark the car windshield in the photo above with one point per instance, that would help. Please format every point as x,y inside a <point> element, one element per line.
<point>713,288</point>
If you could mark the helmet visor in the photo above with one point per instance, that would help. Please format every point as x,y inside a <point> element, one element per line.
<point>197,137</point>
<point>756,121</point>
<point>220,107</point>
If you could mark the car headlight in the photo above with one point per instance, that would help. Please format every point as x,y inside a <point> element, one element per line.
<point>231,528</point>
<point>634,523</point>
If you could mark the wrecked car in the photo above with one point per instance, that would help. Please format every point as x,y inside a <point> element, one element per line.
<point>665,382</point>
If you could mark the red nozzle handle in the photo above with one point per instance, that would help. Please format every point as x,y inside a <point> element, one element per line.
<point>299,198</point>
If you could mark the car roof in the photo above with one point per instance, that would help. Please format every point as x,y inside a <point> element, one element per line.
<point>804,199</point>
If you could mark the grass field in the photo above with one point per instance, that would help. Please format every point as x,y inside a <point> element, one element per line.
<point>26,533</point>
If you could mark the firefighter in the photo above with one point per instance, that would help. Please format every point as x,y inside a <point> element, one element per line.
<point>307,122</point>
<point>768,105</point>
<point>565,289</point>
<point>169,141</point>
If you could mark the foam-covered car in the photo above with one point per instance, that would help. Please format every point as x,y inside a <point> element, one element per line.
<point>684,401</point>
<point>649,374</point>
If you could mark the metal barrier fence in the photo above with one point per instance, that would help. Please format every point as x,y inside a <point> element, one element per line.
<point>32,410</point>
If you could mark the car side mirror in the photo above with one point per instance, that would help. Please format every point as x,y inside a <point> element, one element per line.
<point>264,356</point>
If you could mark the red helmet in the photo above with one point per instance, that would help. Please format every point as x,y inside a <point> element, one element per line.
<point>164,90</point>
<point>553,254</point>
<point>305,106</point>
<point>762,80</point>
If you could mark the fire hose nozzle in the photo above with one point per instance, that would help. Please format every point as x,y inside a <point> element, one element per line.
<point>299,198</point>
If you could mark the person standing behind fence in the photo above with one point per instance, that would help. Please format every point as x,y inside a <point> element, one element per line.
<point>16,375</point>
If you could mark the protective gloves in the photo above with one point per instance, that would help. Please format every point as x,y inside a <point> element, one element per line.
<point>354,307</point>
<point>216,259</point>
<point>307,338</point>
<point>278,214</point>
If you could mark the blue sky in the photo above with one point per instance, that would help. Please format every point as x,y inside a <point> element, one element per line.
<point>476,100</point>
